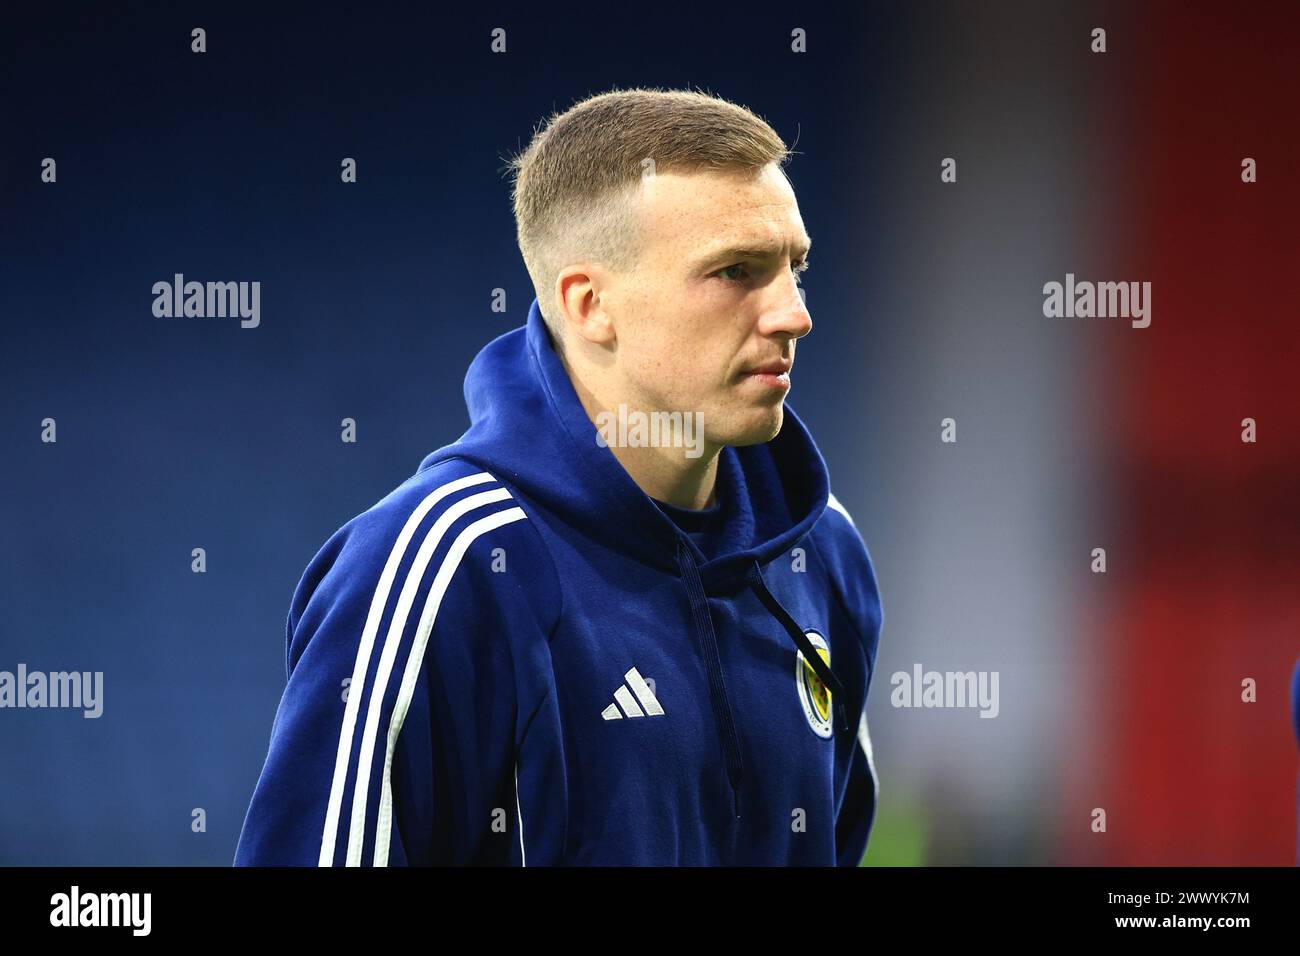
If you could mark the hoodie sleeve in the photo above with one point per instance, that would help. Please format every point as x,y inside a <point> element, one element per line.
<point>858,811</point>
<point>395,741</point>
<point>854,580</point>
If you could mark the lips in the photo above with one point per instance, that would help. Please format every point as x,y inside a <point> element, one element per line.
<point>774,374</point>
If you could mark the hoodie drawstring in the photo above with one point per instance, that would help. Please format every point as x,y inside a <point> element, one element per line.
<point>713,665</point>
<point>819,666</point>
<point>708,640</point>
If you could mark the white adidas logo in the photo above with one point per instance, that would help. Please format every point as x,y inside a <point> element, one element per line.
<point>625,699</point>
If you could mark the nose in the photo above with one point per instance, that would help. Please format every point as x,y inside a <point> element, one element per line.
<point>790,315</point>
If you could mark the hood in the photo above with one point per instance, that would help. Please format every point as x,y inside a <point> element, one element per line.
<point>529,428</point>
<point>528,425</point>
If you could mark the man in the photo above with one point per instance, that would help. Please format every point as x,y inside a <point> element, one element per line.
<point>600,627</point>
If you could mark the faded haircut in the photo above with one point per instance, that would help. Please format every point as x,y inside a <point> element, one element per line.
<point>576,183</point>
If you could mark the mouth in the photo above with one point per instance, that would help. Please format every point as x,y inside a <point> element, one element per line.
<point>771,375</point>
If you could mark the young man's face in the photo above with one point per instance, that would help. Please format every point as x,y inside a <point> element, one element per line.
<point>702,327</point>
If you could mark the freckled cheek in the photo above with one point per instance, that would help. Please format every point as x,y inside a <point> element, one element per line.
<point>683,363</point>
<point>712,379</point>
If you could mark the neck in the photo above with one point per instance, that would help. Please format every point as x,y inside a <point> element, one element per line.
<point>664,472</point>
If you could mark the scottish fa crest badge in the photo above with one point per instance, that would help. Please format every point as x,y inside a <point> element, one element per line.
<point>813,694</point>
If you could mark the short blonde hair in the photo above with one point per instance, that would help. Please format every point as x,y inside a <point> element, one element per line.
<point>575,183</point>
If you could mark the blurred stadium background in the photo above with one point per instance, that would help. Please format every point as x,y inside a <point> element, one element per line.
<point>1119,690</point>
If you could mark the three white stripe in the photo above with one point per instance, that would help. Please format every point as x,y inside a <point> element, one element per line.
<point>413,664</point>
<point>864,741</point>
<point>644,694</point>
<point>519,813</point>
<point>392,642</point>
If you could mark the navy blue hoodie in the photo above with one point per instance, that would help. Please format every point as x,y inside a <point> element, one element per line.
<point>517,657</point>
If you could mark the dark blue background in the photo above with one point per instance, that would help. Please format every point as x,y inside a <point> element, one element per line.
<point>176,433</point>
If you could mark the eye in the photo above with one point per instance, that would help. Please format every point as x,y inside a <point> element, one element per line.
<point>796,267</point>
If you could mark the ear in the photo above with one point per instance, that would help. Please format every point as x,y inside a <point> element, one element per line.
<point>578,291</point>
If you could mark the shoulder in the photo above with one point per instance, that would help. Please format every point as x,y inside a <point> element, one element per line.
<point>838,538</point>
<point>451,537</point>
<point>851,569</point>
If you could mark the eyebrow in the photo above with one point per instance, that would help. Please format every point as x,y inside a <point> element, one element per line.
<point>746,252</point>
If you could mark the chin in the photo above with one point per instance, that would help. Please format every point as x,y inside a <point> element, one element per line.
<point>760,426</point>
